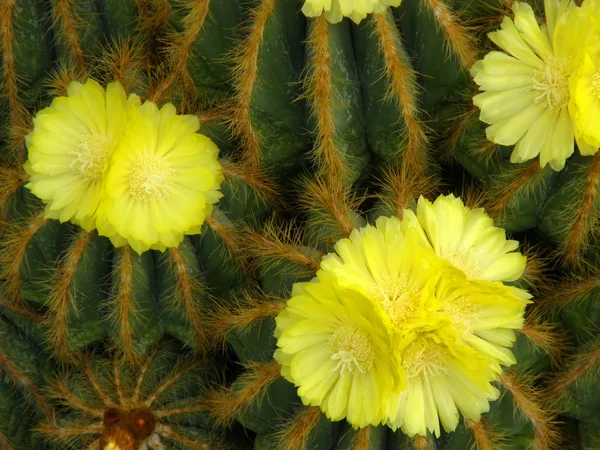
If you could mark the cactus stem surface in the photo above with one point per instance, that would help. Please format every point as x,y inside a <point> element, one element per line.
<point>225,404</point>
<point>186,291</point>
<point>10,181</point>
<point>530,402</point>
<point>279,242</point>
<point>485,437</point>
<point>421,443</point>
<point>241,316</point>
<point>18,114</point>
<point>123,301</point>
<point>61,297</point>
<point>577,367</point>
<point>400,187</point>
<point>60,390</point>
<point>319,91</point>
<point>5,443</point>
<point>174,376</point>
<point>460,41</point>
<point>545,336</point>
<point>296,434</point>
<point>245,75</point>
<point>227,232</point>
<point>167,431</point>
<point>65,15</point>
<point>361,440</point>
<point>124,60</point>
<point>261,185</point>
<point>21,380</point>
<point>403,90</point>
<point>87,367</point>
<point>585,217</point>
<point>180,44</point>
<point>14,247</point>
<point>334,199</point>
<point>516,181</point>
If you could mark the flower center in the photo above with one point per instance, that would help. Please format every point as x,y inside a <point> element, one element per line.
<point>595,87</point>
<point>352,349</point>
<point>465,262</point>
<point>397,295</point>
<point>424,357</point>
<point>90,156</point>
<point>150,179</point>
<point>552,83</point>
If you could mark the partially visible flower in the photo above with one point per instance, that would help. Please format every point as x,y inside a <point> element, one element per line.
<point>468,239</point>
<point>585,101</point>
<point>162,183</point>
<point>70,145</point>
<point>334,347</point>
<point>584,105</point>
<point>526,87</point>
<point>336,10</point>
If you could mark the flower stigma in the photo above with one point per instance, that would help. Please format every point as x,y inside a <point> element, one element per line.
<point>397,297</point>
<point>552,83</point>
<point>90,156</point>
<point>351,348</point>
<point>150,179</point>
<point>425,358</point>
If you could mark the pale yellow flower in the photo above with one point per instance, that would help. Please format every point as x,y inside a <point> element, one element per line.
<point>584,104</point>
<point>450,335</point>
<point>468,239</point>
<point>526,86</point>
<point>162,182</point>
<point>334,347</point>
<point>451,350</point>
<point>70,145</point>
<point>336,10</point>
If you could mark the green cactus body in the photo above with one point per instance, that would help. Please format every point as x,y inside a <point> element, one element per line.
<point>321,128</point>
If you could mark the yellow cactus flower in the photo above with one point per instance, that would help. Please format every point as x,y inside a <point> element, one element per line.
<point>112,446</point>
<point>585,101</point>
<point>336,10</point>
<point>162,182</point>
<point>450,333</point>
<point>584,104</point>
<point>451,349</point>
<point>334,348</point>
<point>69,146</point>
<point>390,262</point>
<point>468,239</point>
<point>526,87</point>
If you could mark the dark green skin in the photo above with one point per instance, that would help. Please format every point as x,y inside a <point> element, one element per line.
<point>145,319</point>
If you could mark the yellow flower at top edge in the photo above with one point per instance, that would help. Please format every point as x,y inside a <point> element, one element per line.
<point>526,86</point>
<point>69,146</point>
<point>468,239</point>
<point>584,104</point>
<point>336,10</point>
<point>449,335</point>
<point>162,182</point>
<point>334,347</point>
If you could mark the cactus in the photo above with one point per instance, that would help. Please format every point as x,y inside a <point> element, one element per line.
<point>157,403</point>
<point>321,129</point>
